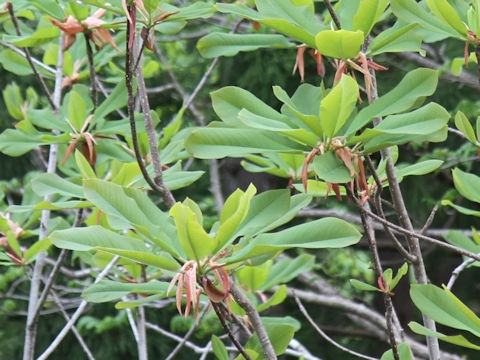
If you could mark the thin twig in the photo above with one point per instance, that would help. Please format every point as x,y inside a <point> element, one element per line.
<point>56,269</point>
<point>152,136</point>
<point>429,220</point>
<point>332,14</point>
<point>232,337</point>
<point>142,334</point>
<point>325,336</point>
<point>244,302</point>
<point>404,220</point>
<point>378,204</point>
<point>23,54</point>
<point>68,326</point>
<point>131,112</point>
<point>91,66</point>
<point>74,329</point>
<point>456,272</point>
<point>187,336</point>
<point>29,58</point>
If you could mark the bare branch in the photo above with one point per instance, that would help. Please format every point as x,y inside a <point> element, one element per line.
<point>60,336</point>
<point>244,302</point>
<point>325,336</point>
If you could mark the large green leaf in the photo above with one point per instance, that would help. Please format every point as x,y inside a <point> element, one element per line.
<point>438,305</point>
<point>410,11</point>
<point>416,85</point>
<point>216,143</point>
<point>127,208</point>
<point>399,38</point>
<point>39,37</point>
<point>45,184</point>
<point>108,290</point>
<point>463,124</point>
<point>229,101</point>
<point>116,100</point>
<point>447,14</point>
<point>468,185</point>
<point>76,110</point>
<point>337,106</point>
<point>340,44</point>
<point>318,234</point>
<point>369,11</point>
<point>428,123</point>
<point>18,142</point>
<point>453,339</point>
<point>461,209</point>
<point>223,44</point>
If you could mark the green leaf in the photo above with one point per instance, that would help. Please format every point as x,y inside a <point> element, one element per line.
<point>14,244</point>
<point>216,143</point>
<point>453,339</point>
<point>317,188</point>
<point>478,128</point>
<point>229,101</point>
<point>403,352</point>
<point>253,277</point>
<point>318,234</point>
<point>428,123</point>
<point>360,285</point>
<point>337,106</point>
<point>51,7</point>
<point>87,238</point>
<point>411,12</point>
<point>47,184</point>
<point>279,333</point>
<point>13,100</point>
<point>194,240</point>
<point>463,124</point>
<point>287,269</point>
<point>233,213</point>
<point>468,185</point>
<point>36,248</point>
<point>108,290</point>
<point>116,100</point>
<point>76,110</point>
<point>462,241</point>
<point>399,38</point>
<point>447,14</point>
<point>420,168</point>
<point>400,273</point>
<point>39,37</point>
<point>277,298</point>
<point>127,208</point>
<point>223,44</point>
<point>219,348</point>
<point>161,261</point>
<point>330,168</point>
<point>83,165</point>
<point>369,11</point>
<point>15,63</point>
<point>142,300</point>
<point>340,44</point>
<point>416,85</point>
<point>461,209</point>
<point>438,305</point>
<point>18,142</point>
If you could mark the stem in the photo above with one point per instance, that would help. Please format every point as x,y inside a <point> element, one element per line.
<point>187,336</point>
<point>91,66</point>
<point>142,334</point>
<point>32,318</point>
<point>232,337</point>
<point>163,190</point>
<point>244,302</point>
<point>413,241</point>
<point>152,139</point>
<point>325,336</point>
<point>68,326</point>
<point>332,14</point>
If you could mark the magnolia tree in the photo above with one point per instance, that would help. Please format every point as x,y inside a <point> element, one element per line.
<point>107,190</point>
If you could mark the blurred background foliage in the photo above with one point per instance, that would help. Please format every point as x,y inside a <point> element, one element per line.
<point>256,72</point>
